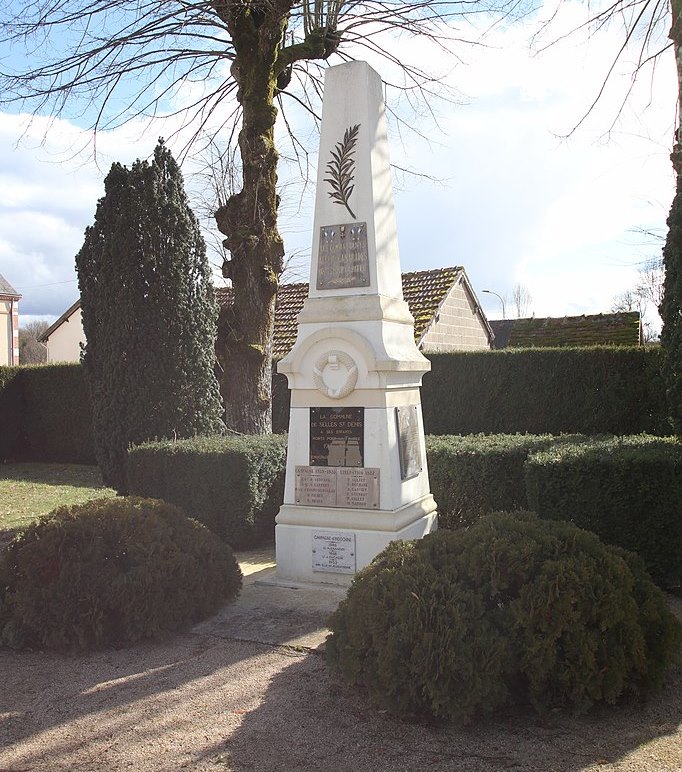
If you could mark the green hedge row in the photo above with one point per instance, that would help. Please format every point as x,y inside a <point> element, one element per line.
<point>11,411</point>
<point>233,485</point>
<point>48,414</point>
<point>627,490</point>
<point>601,390</point>
<point>597,390</point>
<point>474,475</point>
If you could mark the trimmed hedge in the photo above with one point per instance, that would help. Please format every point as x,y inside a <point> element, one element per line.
<point>596,390</point>
<point>513,610</point>
<point>111,572</point>
<point>11,411</point>
<point>474,475</point>
<point>233,485</point>
<point>58,414</point>
<point>628,490</point>
<point>602,390</point>
<point>48,412</point>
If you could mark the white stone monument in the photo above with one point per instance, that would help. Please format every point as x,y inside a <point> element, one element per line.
<point>356,476</point>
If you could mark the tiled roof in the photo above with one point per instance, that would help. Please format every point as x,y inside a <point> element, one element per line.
<point>619,329</point>
<point>7,289</point>
<point>424,292</point>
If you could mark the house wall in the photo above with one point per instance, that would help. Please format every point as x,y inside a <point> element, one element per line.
<point>9,332</point>
<point>457,327</point>
<point>63,345</point>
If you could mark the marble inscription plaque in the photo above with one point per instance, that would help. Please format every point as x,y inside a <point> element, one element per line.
<point>337,436</point>
<point>409,445</point>
<point>329,486</point>
<point>343,256</point>
<point>315,487</point>
<point>334,551</point>
<point>358,488</point>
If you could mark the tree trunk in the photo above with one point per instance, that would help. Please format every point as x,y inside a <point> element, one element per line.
<point>249,218</point>
<point>676,36</point>
<point>249,222</point>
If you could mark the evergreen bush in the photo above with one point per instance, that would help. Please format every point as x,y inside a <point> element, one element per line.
<point>628,490</point>
<point>512,611</point>
<point>149,315</point>
<point>57,422</point>
<point>11,412</point>
<point>474,475</point>
<point>111,572</point>
<point>233,485</point>
<point>595,390</point>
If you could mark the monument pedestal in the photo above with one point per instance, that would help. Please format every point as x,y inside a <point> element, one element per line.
<point>356,475</point>
<point>308,551</point>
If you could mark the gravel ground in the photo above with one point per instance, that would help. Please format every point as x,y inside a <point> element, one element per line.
<point>249,690</point>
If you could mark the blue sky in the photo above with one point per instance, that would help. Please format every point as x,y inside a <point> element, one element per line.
<point>505,194</point>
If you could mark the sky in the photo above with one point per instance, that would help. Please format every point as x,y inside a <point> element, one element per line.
<point>498,185</point>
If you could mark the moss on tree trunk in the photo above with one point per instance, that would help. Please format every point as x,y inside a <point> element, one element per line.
<point>249,219</point>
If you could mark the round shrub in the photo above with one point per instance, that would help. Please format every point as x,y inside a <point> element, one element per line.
<point>111,572</point>
<point>514,610</point>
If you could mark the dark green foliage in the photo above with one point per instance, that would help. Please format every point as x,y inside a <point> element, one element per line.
<point>601,390</point>
<point>671,311</point>
<point>149,315</point>
<point>627,490</point>
<point>46,414</point>
<point>474,475</point>
<point>11,411</point>
<point>58,414</point>
<point>233,485</point>
<point>513,610</point>
<point>111,572</point>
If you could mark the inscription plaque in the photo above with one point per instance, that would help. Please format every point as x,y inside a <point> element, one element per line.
<point>409,445</point>
<point>315,487</point>
<point>337,436</point>
<point>337,487</point>
<point>358,488</point>
<point>343,256</point>
<point>334,551</point>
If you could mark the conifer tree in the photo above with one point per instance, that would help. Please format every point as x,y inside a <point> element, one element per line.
<point>671,311</point>
<point>149,314</point>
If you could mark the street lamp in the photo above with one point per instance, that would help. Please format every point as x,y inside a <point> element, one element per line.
<point>490,292</point>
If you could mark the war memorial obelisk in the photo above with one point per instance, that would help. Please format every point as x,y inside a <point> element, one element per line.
<point>356,476</point>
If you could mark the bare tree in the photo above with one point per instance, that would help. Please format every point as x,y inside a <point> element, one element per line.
<point>31,351</point>
<point>650,283</point>
<point>644,297</point>
<point>119,59</point>
<point>521,298</point>
<point>626,302</point>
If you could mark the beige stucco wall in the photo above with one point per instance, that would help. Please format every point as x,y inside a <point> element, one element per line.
<point>457,327</point>
<point>63,345</point>
<point>9,332</point>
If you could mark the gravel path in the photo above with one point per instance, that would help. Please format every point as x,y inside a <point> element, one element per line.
<point>249,690</point>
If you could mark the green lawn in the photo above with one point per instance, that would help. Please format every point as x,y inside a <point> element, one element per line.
<point>30,490</point>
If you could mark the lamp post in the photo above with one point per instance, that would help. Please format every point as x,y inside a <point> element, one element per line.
<point>490,292</point>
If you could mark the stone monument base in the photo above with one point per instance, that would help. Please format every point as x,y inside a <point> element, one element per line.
<point>312,548</point>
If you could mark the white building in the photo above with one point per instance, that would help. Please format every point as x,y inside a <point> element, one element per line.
<point>65,337</point>
<point>9,323</point>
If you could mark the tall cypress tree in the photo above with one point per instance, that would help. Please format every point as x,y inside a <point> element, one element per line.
<point>149,314</point>
<point>671,311</point>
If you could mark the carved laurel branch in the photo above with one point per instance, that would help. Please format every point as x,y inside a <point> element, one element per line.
<point>342,167</point>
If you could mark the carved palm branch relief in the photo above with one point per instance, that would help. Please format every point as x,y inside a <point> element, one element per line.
<point>341,169</point>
